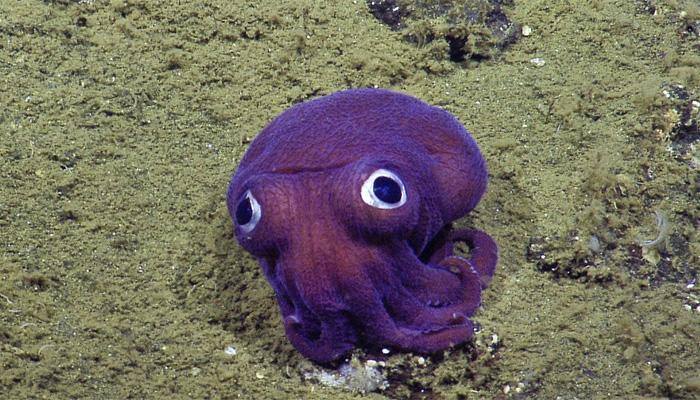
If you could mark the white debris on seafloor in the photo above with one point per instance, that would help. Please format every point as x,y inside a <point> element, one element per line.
<point>230,351</point>
<point>360,378</point>
<point>526,30</point>
<point>494,339</point>
<point>537,61</point>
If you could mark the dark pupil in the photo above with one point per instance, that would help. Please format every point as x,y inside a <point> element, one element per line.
<point>244,212</point>
<point>387,190</point>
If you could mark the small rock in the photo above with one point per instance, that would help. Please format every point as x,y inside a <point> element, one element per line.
<point>526,31</point>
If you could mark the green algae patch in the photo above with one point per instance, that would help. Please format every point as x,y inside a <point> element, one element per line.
<point>122,121</point>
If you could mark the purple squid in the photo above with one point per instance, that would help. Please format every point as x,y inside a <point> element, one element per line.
<point>348,202</point>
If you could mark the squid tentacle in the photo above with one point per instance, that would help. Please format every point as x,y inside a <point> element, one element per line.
<point>336,338</point>
<point>484,252</point>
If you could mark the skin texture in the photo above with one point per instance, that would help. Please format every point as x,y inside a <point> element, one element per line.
<point>346,272</point>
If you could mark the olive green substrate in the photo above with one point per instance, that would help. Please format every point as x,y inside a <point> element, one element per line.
<point>121,122</point>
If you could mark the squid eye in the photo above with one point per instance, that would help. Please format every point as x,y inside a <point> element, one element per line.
<point>384,190</point>
<point>248,212</point>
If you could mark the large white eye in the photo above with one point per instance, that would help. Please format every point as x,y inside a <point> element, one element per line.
<point>248,212</point>
<point>383,189</point>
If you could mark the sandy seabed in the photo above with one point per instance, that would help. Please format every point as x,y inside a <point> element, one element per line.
<point>122,121</point>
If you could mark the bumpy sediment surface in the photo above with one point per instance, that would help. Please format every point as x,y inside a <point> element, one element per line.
<point>122,121</point>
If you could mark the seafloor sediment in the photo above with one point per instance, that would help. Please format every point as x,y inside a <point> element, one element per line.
<point>122,121</point>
